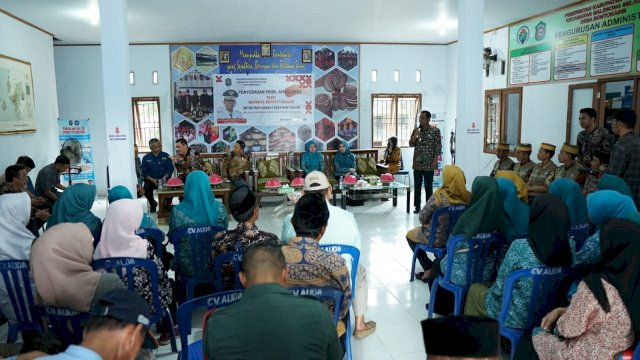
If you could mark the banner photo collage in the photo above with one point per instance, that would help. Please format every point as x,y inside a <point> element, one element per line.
<point>273,97</point>
<point>591,39</point>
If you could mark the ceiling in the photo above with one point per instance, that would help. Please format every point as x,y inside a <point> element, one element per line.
<point>171,21</point>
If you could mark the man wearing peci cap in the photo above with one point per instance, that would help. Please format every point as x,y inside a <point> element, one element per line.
<point>460,337</point>
<point>118,328</point>
<point>525,165</point>
<point>543,173</point>
<point>503,162</point>
<point>228,112</point>
<point>245,210</point>
<point>569,168</point>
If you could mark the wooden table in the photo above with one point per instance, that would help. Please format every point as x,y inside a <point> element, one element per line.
<point>168,193</point>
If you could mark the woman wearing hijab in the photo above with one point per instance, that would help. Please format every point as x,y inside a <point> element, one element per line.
<point>516,210</point>
<point>343,161</point>
<point>392,155</point>
<point>603,318</point>
<point>571,194</point>
<point>521,186</point>
<point>60,262</point>
<point>547,244</point>
<point>612,182</point>
<point>119,239</point>
<point>74,206</point>
<point>311,160</point>
<point>452,192</point>
<point>198,208</point>
<point>120,192</point>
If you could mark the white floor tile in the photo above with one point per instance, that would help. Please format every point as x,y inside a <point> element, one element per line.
<point>413,292</point>
<point>390,315</point>
<point>369,348</point>
<point>403,339</point>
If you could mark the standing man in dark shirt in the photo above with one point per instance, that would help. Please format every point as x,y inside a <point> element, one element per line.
<point>625,157</point>
<point>156,165</point>
<point>592,138</point>
<point>48,180</point>
<point>428,146</point>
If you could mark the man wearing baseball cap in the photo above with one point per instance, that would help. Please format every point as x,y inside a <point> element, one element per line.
<point>503,162</point>
<point>118,327</point>
<point>341,229</point>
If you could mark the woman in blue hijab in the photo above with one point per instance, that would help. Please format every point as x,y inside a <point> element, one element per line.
<point>612,182</point>
<point>343,161</point>
<point>516,211</point>
<point>571,194</point>
<point>311,160</point>
<point>74,206</point>
<point>120,192</point>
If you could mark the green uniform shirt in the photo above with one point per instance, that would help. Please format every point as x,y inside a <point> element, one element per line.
<point>524,171</point>
<point>542,175</point>
<point>569,173</point>
<point>502,165</point>
<point>270,323</point>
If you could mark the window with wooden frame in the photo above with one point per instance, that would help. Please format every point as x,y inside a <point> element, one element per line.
<point>394,115</point>
<point>146,121</point>
<point>580,96</point>
<point>502,118</point>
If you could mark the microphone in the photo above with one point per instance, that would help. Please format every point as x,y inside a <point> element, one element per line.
<point>587,170</point>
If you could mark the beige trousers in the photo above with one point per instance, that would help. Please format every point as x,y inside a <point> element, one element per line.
<point>360,300</point>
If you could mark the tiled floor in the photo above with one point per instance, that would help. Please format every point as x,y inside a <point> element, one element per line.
<point>394,303</point>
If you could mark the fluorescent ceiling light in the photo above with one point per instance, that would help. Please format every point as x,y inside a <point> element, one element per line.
<point>374,75</point>
<point>396,75</point>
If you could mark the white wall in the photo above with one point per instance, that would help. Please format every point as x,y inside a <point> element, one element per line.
<point>25,43</point>
<point>79,75</point>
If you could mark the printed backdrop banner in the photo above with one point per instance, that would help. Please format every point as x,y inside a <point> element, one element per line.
<point>75,143</point>
<point>592,39</point>
<point>273,97</point>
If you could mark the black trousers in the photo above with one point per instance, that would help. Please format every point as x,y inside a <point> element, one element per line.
<point>148,192</point>
<point>421,177</point>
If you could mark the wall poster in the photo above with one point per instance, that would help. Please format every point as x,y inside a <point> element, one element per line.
<point>17,105</point>
<point>75,143</point>
<point>592,39</point>
<point>273,101</point>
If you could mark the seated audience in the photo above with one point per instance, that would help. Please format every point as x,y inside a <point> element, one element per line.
<point>156,166</point>
<point>612,182</point>
<point>458,337</point>
<point>60,262</point>
<point>524,166</point>
<point>16,180</point>
<point>504,162</point>
<point>603,318</point>
<point>117,329</point>
<point>598,165</point>
<point>48,180</point>
<point>269,322</point>
<point>571,194</point>
<point>238,162</point>
<point>186,160</point>
<point>139,176</point>
<point>452,192</point>
<point>311,159</point>
<point>543,173</point>
<point>198,208</point>
<point>547,244</point>
<point>344,162</point>
<point>625,156</point>
<point>516,210</point>
<point>119,240</point>
<point>27,164</point>
<point>521,185</point>
<point>342,229</point>
<point>74,206</point>
<point>392,155</point>
<point>307,264</point>
<point>569,168</point>
<point>120,192</point>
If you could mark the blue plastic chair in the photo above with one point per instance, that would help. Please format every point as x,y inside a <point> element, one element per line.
<point>321,294</point>
<point>124,267</point>
<point>580,233</point>
<point>185,313</point>
<point>63,322</point>
<point>480,248</point>
<point>547,282</point>
<point>227,263</point>
<point>15,274</point>
<point>354,253</point>
<point>454,212</point>
<point>200,238</point>
<point>156,236</point>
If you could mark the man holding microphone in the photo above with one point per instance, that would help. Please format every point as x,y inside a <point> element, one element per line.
<point>428,145</point>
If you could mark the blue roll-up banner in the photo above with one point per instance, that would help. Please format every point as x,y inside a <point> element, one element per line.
<point>75,143</point>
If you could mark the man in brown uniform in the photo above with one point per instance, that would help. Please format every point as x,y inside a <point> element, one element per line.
<point>570,167</point>
<point>503,162</point>
<point>524,166</point>
<point>543,173</point>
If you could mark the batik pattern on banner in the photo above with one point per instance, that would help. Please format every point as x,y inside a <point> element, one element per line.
<point>75,143</point>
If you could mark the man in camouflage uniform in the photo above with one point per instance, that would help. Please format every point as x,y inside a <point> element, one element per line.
<point>543,173</point>
<point>570,166</point>
<point>503,162</point>
<point>524,166</point>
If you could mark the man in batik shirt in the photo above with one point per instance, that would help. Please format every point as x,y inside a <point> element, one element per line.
<point>186,160</point>
<point>238,162</point>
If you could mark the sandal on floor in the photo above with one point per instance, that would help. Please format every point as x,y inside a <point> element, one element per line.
<point>425,276</point>
<point>370,328</point>
<point>419,275</point>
